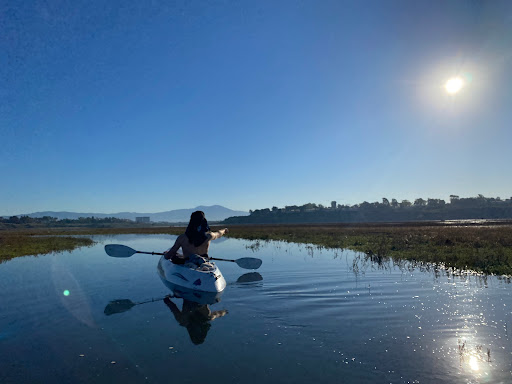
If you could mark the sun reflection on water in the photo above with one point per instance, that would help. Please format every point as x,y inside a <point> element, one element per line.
<point>473,363</point>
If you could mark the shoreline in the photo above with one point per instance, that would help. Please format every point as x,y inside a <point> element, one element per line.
<point>483,246</point>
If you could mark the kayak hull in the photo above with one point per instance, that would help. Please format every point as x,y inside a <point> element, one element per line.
<point>200,297</point>
<point>193,279</point>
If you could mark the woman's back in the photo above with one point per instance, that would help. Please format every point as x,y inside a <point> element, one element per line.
<point>190,249</point>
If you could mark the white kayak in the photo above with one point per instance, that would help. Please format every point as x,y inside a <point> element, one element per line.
<point>206,279</point>
<point>200,297</point>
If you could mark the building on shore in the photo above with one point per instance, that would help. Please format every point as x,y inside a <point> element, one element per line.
<point>143,219</point>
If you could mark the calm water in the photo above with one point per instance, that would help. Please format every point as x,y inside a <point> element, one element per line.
<point>313,316</point>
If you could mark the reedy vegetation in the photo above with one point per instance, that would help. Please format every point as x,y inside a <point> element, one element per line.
<point>484,248</point>
<point>14,244</point>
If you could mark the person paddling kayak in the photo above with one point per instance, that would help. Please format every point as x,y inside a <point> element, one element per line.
<point>195,242</point>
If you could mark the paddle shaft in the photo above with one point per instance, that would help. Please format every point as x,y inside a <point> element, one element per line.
<point>151,253</point>
<point>214,258</point>
<point>118,250</point>
<point>160,253</point>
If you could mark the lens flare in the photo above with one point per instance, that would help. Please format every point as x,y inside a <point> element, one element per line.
<point>65,293</point>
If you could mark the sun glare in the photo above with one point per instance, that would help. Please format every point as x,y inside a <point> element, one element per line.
<point>454,85</point>
<point>473,363</point>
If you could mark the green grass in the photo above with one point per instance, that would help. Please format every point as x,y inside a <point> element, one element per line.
<point>483,248</point>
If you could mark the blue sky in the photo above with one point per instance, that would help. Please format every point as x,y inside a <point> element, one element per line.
<point>152,106</point>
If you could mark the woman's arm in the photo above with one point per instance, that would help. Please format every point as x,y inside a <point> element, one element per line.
<point>217,234</point>
<point>172,252</point>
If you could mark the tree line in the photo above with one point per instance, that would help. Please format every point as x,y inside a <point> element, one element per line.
<point>479,207</point>
<point>53,221</point>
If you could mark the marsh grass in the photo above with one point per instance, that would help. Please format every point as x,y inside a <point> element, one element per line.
<point>486,249</point>
<point>18,244</point>
<point>483,248</point>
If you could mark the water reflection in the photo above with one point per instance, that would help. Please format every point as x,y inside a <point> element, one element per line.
<point>195,317</point>
<point>123,305</point>
<point>312,315</point>
<point>195,314</point>
<point>250,277</point>
<point>363,263</point>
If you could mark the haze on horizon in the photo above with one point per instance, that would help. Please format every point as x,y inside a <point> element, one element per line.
<point>112,107</point>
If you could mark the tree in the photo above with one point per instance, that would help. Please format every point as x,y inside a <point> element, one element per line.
<point>26,220</point>
<point>420,202</point>
<point>435,203</point>
<point>405,203</point>
<point>309,207</point>
<point>453,199</point>
<point>14,220</point>
<point>394,203</point>
<point>365,205</point>
<point>385,202</point>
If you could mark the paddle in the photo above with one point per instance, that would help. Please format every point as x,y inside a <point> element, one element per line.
<point>123,305</point>
<point>244,262</point>
<point>118,250</point>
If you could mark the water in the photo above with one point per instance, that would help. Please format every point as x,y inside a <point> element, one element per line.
<point>310,316</point>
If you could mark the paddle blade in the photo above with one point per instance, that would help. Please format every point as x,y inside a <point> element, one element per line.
<point>249,262</point>
<point>118,306</point>
<point>117,250</point>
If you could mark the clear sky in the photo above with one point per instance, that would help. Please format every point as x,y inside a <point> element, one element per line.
<point>147,106</point>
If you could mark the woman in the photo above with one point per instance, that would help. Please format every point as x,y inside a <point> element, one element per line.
<point>194,242</point>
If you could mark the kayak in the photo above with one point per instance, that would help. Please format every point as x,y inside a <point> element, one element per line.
<point>200,297</point>
<point>205,279</point>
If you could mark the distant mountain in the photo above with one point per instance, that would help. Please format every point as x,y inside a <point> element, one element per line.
<point>213,213</point>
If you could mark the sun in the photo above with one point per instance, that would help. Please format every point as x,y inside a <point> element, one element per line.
<point>454,85</point>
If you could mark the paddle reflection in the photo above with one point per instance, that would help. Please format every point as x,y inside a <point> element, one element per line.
<point>250,277</point>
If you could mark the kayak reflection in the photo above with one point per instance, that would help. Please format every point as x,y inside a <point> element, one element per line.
<point>195,314</point>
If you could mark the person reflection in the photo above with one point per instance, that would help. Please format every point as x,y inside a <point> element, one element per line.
<point>195,317</point>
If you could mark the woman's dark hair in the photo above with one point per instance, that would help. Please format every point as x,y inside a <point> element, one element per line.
<point>197,228</point>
